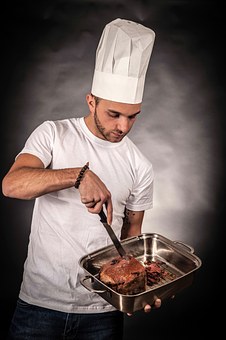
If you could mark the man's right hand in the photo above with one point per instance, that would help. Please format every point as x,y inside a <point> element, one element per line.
<point>94,194</point>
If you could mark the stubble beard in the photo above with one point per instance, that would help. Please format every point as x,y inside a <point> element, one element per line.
<point>106,135</point>
<point>99,127</point>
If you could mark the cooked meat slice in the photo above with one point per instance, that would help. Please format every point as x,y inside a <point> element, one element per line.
<point>124,275</point>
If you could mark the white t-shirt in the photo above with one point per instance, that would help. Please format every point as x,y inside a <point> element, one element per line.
<point>62,230</point>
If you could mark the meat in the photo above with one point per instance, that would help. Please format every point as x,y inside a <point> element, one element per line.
<point>156,273</point>
<point>129,276</point>
<point>124,275</point>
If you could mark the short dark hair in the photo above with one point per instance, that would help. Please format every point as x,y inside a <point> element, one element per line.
<point>97,99</point>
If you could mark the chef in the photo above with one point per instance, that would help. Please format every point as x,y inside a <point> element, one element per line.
<point>72,168</point>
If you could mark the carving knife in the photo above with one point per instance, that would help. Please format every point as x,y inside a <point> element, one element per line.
<point>112,235</point>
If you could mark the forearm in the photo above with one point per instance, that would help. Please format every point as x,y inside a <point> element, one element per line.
<point>132,223</point>
<point>29,183</point>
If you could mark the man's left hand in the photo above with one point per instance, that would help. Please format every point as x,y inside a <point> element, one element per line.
<point>148,308</point>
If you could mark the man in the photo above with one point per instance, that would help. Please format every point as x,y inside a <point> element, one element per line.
<point>73,168</point>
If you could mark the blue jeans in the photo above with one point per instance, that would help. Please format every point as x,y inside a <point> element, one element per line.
<point>31,322</point>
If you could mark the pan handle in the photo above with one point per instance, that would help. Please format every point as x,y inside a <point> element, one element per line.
<point>89,287</point>
<point>185,245</point>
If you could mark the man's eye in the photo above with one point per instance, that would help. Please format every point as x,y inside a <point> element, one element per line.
<point>132,117</point>
<point>113,115</point>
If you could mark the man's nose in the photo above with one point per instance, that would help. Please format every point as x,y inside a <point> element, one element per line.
<point>123,124</point>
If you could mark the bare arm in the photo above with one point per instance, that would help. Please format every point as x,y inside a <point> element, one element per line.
<point>28,179</point>
<point>132,223</point>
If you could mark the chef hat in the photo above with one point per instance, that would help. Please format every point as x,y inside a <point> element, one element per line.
<point>122,58</point>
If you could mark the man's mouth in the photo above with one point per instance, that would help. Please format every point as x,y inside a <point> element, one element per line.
<point>117,134</point>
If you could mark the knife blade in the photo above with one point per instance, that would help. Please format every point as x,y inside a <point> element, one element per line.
<point>111,233</point>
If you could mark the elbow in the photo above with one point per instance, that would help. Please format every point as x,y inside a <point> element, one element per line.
<point>7,188</point>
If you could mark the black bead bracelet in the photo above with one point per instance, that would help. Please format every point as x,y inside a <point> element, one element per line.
<point>81,174</point>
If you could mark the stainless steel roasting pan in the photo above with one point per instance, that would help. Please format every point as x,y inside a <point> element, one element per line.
<point>176,258</point>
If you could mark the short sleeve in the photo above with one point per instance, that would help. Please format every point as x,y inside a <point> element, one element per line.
<point>40,142</point>
<point>141,197</point>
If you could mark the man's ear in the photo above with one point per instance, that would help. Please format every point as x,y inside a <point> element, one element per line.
<point>91,102</point>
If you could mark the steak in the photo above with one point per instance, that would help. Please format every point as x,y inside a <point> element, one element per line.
<point>156,272</point>
<point>128,276</point>
<point>124,275</point>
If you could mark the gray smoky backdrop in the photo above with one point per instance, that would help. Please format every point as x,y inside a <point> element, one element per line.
<point>47,61</point>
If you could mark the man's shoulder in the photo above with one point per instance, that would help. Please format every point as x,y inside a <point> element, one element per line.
<point>132,145</point>
<point>137,153</point>
<point>65,122</point>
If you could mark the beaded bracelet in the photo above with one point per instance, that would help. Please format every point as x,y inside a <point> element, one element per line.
<point>81,174</point>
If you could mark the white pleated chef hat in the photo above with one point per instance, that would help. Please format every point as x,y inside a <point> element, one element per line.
<point>122,59</point>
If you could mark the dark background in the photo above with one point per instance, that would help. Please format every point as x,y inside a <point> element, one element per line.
<point>47,59</point>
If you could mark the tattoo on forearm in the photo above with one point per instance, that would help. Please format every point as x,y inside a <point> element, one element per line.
<point>126,218</point>
<point>126,222</point>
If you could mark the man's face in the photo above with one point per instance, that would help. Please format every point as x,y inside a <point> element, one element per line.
<point>112,120</point>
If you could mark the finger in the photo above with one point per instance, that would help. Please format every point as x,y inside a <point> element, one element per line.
<point>96,208</point>
<point>147,309</point>
<point>93,203</point>
<point>129,314</point>
<point>87,200</point>
<point>109,208</point>
<point>90,204</point>
<point>158,303</point>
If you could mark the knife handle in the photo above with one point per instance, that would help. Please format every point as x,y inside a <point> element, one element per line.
<point>103,217</point>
